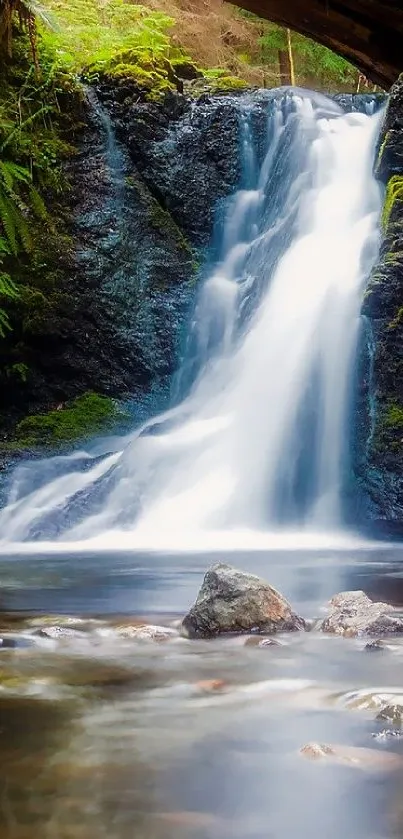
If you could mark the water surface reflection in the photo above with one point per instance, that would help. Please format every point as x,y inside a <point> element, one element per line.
<point>107,736</point>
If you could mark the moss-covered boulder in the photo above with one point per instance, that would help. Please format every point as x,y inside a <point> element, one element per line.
<point>81,418</point>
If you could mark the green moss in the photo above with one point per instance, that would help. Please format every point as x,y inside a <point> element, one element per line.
<point>162,221</point>
<point>396,320</point>
<point>83,417</point>
<point>152,74</point>
<point>393,416</point>
<point>381,152</point>
<point>394,192</point>
<point>225,84</point>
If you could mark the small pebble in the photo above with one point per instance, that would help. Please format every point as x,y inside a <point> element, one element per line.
<point>258,641</point>
<point>374,646</point>
<point>209,685</point>
<point>388,733</point>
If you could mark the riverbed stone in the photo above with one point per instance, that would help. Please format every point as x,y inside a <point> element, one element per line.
<point>232,601</point>
<point>393,712</point>
<point>353,613</point>
<point>146,632</point>
<point>375,646</point>
<point>354,756</point>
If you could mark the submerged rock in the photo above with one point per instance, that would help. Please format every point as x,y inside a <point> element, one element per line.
<point>361,758</point>
<point>352,613</point>
<point>57,632</point>
<point>388,734</point>
<point>234,601</point>
<point>257,641</point>
<point>375,646</point>
<point>391,712</point>
<point>146,632</point>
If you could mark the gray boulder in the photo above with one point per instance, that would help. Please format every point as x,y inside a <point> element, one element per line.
<point>233,601</point>
<point>352,613</point>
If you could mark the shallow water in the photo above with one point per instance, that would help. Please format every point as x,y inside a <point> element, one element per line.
<point>107,736</point>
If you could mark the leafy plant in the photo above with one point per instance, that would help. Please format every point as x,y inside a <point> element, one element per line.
<point>15,189</point>
<point>8,289</point>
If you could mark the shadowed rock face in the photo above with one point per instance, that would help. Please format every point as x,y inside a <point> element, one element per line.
<point>381,470</point>
<point>232,601</point>
<point>369,33</point>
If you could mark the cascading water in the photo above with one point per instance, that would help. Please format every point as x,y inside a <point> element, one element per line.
<point>258,440</point>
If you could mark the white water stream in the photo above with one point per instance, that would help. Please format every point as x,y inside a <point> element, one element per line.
<point>259,443</point>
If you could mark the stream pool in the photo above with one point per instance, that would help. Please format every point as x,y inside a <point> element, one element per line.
<point>104,735</point>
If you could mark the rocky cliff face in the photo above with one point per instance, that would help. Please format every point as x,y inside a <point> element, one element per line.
<point>135,223</point>
<point>382,469</point>
<point>147,183</point>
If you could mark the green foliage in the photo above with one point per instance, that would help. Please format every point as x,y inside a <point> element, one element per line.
<point>314,64</point>
<point>81,418</point>
<point>18,370</point>
<point>18,199</point>
<point>32,146</point>
<point>8,291</point>
<point>91,31</point>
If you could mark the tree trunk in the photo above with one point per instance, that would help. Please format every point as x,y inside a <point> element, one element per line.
<point>286,63</point>
<point>290,57</point>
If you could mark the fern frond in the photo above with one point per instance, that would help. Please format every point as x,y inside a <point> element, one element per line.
<point>10,172</point>
<point>7,222</point>
<point>4,245</point>
<point>8,287</point>
<point>4,323</point>
<point>37,204</point>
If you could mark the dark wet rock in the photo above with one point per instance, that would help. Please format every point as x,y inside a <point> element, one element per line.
<point>11,642</point>
<point>185,153</point>
<point>375,646</point>
<point>352,613</point>
<point>388,734</point>
<point>379,466</point>
<point>234,601</point>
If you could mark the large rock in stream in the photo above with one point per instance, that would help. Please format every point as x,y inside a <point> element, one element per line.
<point>352,613</point>
<point>233,601</point>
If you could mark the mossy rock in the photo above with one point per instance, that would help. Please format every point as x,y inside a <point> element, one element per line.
<point>393,415</point>
<point>186,70</point>
<point>394,194</point>
<point>81,418</point>
<point>153,74</point>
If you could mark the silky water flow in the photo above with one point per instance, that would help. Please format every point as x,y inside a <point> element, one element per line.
<point>257,443</point>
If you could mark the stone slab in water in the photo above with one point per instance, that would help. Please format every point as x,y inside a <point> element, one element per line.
<point>352,613</point>
<point>233,601</point>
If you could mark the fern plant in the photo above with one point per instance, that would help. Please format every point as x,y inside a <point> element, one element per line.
<point>8,289</point>
<point>16,189</point>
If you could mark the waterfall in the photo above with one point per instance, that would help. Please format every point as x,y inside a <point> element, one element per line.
<point>258,440</point>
